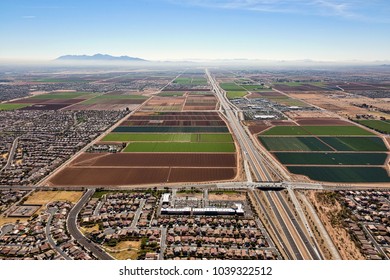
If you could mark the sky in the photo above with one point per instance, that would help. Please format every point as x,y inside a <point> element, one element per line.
<point>324,30</point>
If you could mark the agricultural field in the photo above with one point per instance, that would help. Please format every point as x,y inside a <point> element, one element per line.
<point>378,125</point>
<point>8,107</point>
<point>236,94</point>
<point>317,130</point>
<point>179,147</point>
<point>171,93</point>
<point>329,158</point>
<point>77,100</point>
<point>158,154</point>
<point>172,129</point>
<point>169,137</point>
<point>231,87</point>
<point>294,144</point>
<point>335,149</point>
<point>342,174</point>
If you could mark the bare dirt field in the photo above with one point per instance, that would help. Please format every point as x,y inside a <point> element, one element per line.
<point>228,196</point>
<point>114,176</point>
<point>343,104</point>
<point>156,160</point>
<point>201,174</point>
<point>327,210</point>
<point>309,114</point>
<point>45,197</point>
<point>124,250</point>
<point>109,176</point>
<point>102,107</point>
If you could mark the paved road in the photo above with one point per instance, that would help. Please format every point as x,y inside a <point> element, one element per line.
<point>296,252</point>
<point>75,232</point>
<point>307,245</point>
<point>137,214</point>
<point>11,154</point>
<point>52,243</point>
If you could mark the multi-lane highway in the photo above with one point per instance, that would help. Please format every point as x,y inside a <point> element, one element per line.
<point>298,246</point>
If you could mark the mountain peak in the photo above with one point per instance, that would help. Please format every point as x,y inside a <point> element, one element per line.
<point>99,57</point>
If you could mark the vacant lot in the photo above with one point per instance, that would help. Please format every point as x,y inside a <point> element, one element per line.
<point>45,197</point>
<point>124,250</point>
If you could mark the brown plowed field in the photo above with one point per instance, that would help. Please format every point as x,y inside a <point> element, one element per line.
<point>264,94</point>
<point>29,101</point>
<point>45,107</point>
<point>281,122</point>
<point>109,176</point>
<point>254,129</point>
<point>176,118</point>
<point>102,107</point>
<point>105,176</point>
<point>118,101</point>
<point>173,123</point>
<point>201,174</point>
<point>322,122</point>
<point>198,108</point>
<point>303,87</point>
<point>154,160</point>
<point>62,101</point>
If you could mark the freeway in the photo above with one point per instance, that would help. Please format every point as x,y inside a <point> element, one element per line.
<point>74,231</point>
<point>299,245</point>
<point>246,145</point>
<point>312,250</point>
<point>295,250</point>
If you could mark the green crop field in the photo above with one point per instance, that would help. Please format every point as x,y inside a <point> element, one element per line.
<point>231,87</point>
<point>286,130</point>
<point>337,130</point>
<point>381,126</point>
<point>332,158</point>
<point>253,87</point>
<point>236,94</point>
<point>342,174</point>
<point>168,137</point>
<point>171,129</point>
<point>171,93</point>
<point>63,95</point>
<point>201,93</point>
<point>355,143</point>
<point>8,107</point>
<point>316,130</point>
<point>179,147</point>
<point>293,144</point>
<point>101,98</point>
<point>182,81</point>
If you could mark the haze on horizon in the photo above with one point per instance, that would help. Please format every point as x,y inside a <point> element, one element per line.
<point>323,30</point>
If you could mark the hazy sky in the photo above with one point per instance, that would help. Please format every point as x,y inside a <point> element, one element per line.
<point>183,29</point>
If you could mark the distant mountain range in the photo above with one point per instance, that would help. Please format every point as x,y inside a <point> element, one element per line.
<point>99,57</point>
